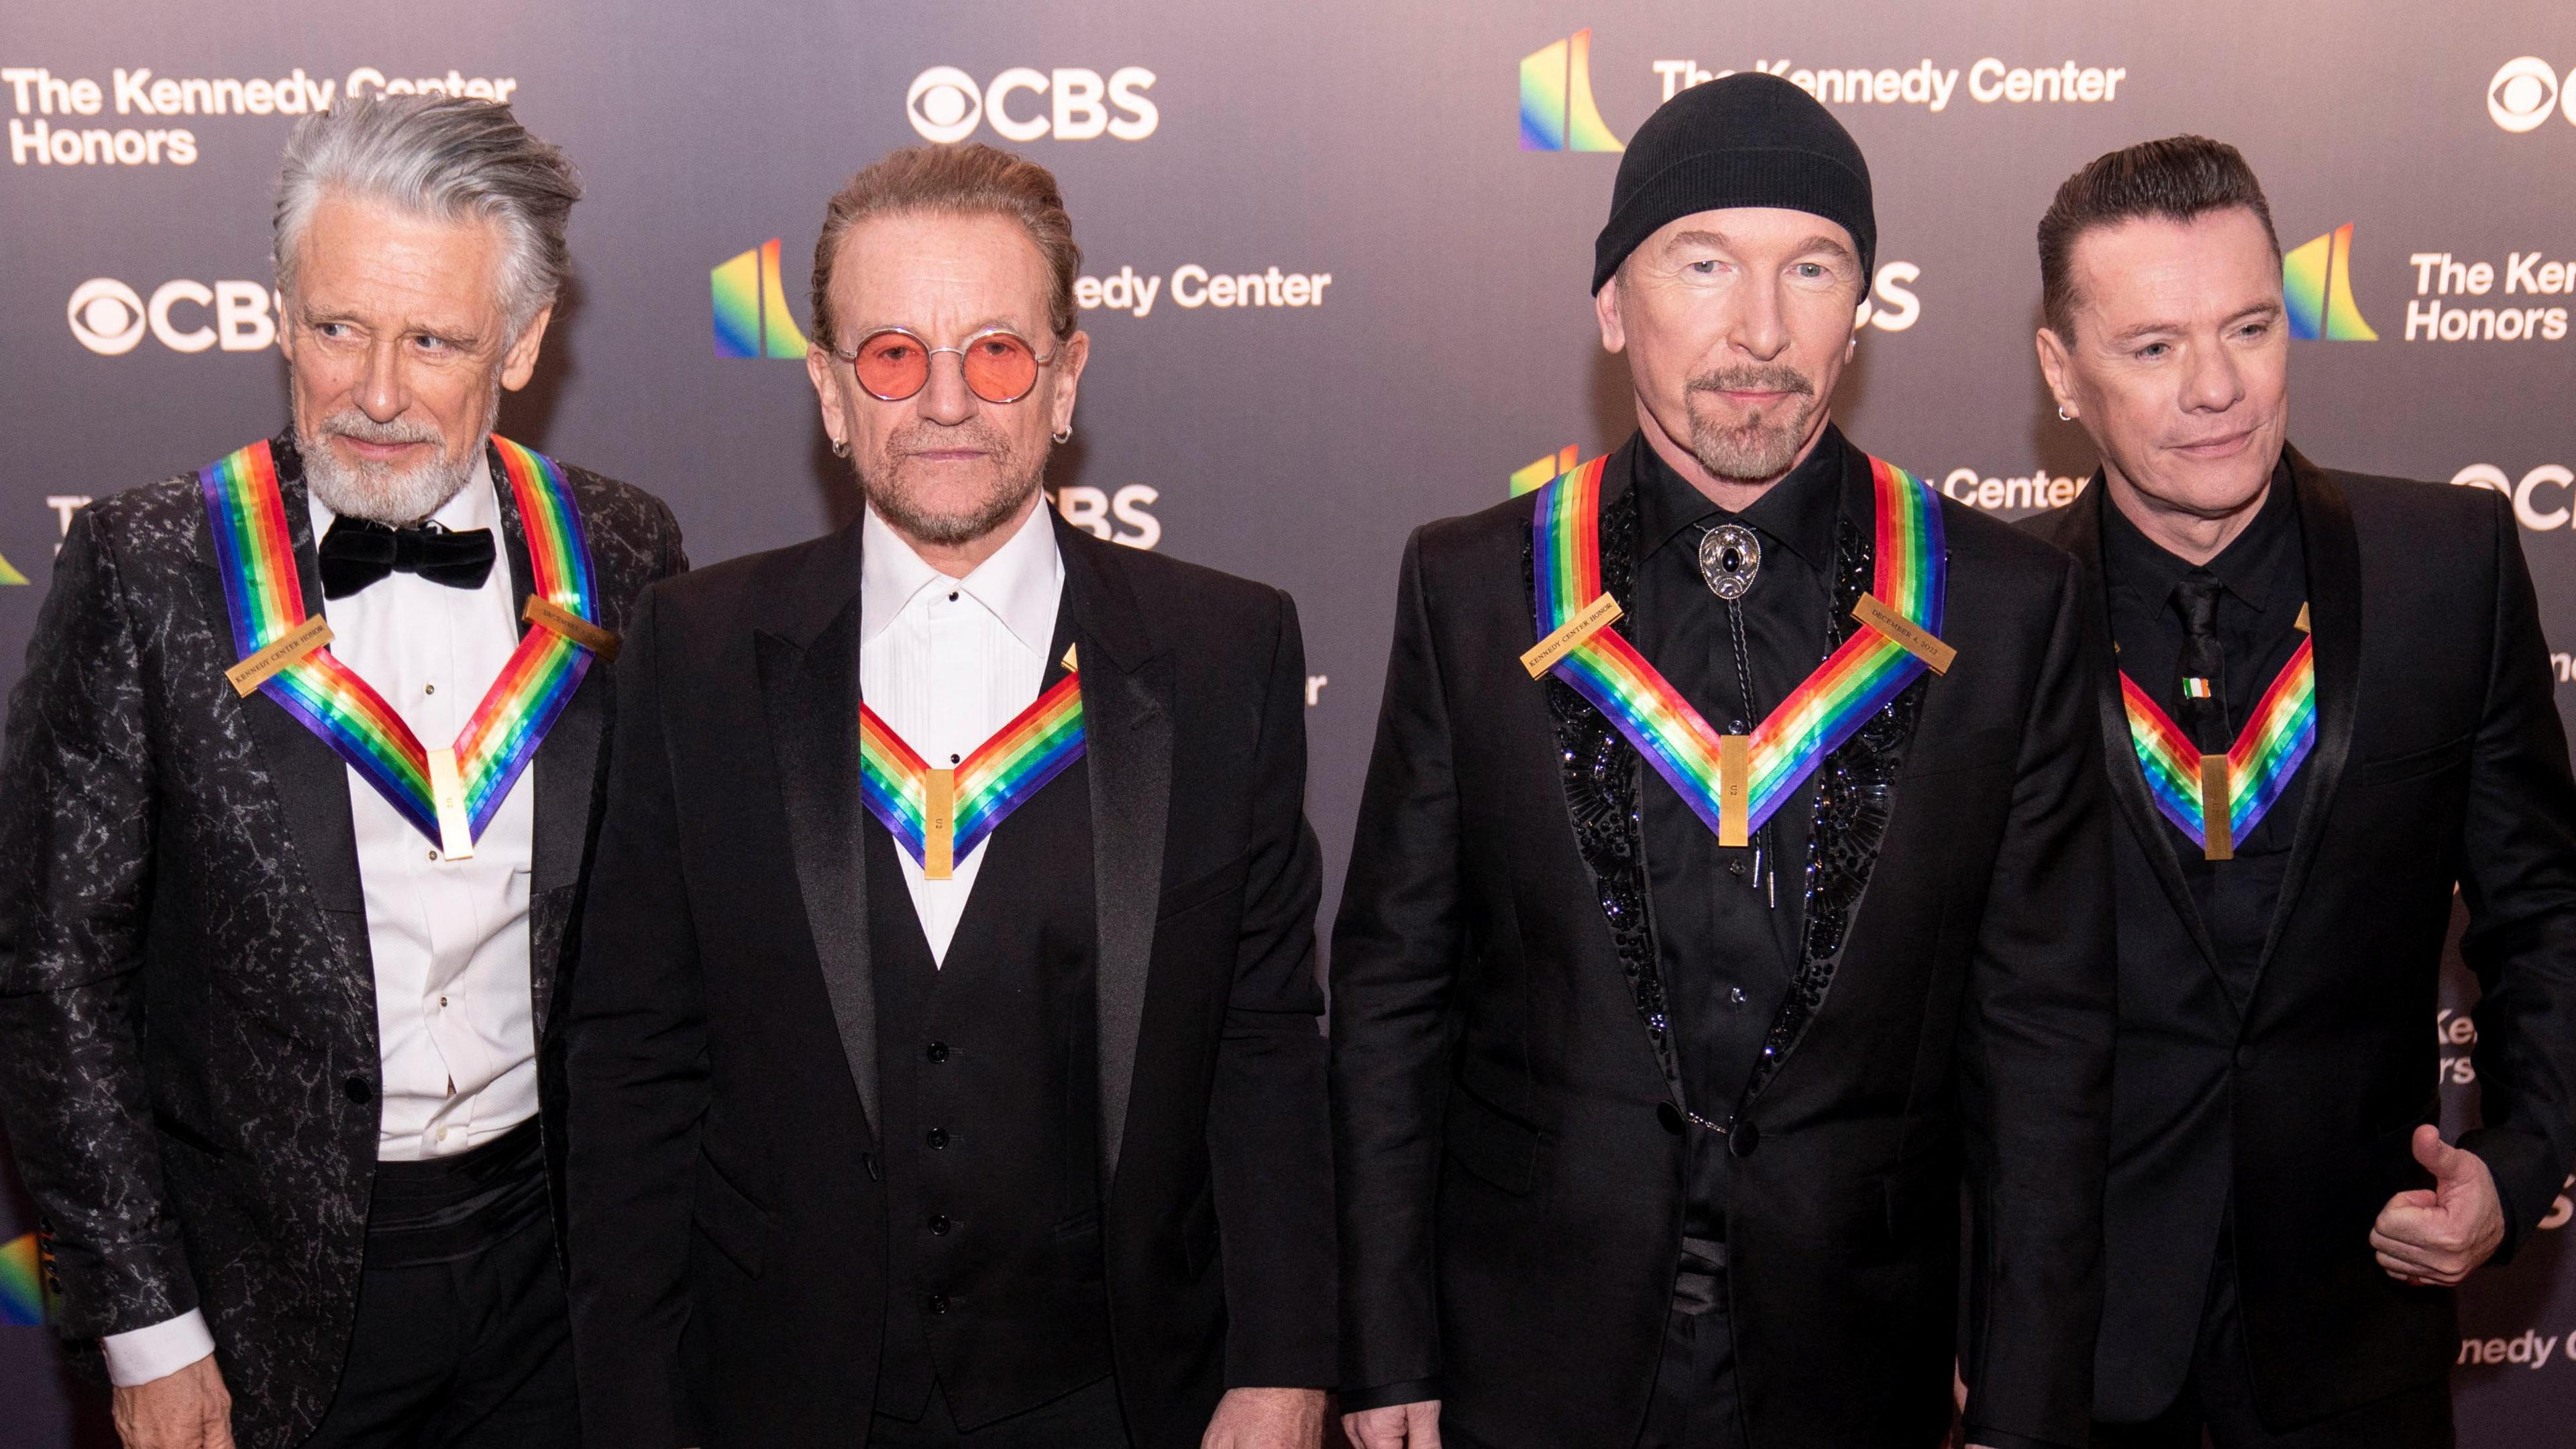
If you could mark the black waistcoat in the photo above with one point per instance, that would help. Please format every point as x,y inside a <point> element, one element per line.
<point>991,1132</point>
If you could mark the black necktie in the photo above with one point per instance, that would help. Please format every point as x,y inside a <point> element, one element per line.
<point>2201,673</point>
<point>357,552</point>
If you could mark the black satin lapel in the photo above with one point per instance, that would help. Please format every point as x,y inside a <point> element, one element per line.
<point>812,696</point>
<point>2155,835</point>
<point>1127,742</point>
<point>1855,796</point>
<point>2334,615</point>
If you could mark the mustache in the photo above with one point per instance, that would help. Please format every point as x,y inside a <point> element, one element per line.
<point>1773,377</point>
<point>355,424</point>
<point>927,437</point>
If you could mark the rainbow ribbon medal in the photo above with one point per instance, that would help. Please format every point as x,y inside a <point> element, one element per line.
<point>940,816</point>
<point>450,794</point>
<point>1736,782</point>
<point>2217,800</point>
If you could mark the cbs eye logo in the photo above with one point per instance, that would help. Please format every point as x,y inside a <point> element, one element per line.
<point>2525,90</point>
<point>945,104</point>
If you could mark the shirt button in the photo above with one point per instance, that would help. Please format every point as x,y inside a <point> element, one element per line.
<point>939,1225</point>
<point>429,689</point>
<point>433,855</point>
<point>938,1051</point>
<point>952,759</point>
<point>442,1134</point>
<point>934,1303</point>
<point>1735,995</point>
<point>937,1137</point>
<point>1735,867</point>
<point>442,1003</point>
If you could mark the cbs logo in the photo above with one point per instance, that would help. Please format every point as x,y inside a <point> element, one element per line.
<point>110,318</point>
<point>2540,514</point>
<point>944,104</point>
<point>2525,90</point>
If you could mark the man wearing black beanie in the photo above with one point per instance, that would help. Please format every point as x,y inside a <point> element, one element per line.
<point>1732,888</point>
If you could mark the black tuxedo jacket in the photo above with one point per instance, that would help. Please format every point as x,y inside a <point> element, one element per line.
<point>2439,760</point>
<point>1509,1157</point>
<point>188,1051</point>
<point>729,1229</point>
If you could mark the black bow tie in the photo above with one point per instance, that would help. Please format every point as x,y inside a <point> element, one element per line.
<point>357,552</point>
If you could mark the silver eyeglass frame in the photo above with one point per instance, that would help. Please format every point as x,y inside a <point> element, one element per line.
<point>852,358</point>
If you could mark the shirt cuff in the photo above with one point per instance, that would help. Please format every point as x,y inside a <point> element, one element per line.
<point>156,1352</point>
<point>1410,1391</point>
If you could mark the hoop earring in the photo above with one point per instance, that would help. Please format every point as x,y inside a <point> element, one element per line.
<point>1064,434</point>
<point>2064,416</point>
<point>840,448</point>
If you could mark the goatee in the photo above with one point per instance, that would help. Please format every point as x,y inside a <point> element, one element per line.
<point>1765,444</point>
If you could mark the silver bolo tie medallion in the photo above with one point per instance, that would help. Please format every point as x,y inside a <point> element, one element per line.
<point>1729,557</point>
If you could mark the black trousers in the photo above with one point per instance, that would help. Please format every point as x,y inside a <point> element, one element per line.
<point>463,1338</point>
<point>1694,1405</point>
<point>1087,1418</point>
<point>2218,1399</point>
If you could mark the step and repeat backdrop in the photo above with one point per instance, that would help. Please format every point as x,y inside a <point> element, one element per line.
<point>1335,271</point>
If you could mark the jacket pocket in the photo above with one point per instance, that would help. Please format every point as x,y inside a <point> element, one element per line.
<point>1215,885</point>
<point>732,1223</point>
<point>186,1136</point>
<point>1498,1148</point>
<point>2409,764</point>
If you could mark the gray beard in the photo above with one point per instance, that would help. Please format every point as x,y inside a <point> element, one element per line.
<point>1764,448</point>
<point>381,494</point>
<point>913,517</point>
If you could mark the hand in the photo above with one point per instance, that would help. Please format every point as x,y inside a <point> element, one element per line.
<point>189,1409</point>
<point>1397,1426</point>
<point>1267,1419</point>
<point>2438,1236</point>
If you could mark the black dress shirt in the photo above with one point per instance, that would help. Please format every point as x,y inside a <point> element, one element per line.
<point>1726,949</point>
<point>2264,575</point>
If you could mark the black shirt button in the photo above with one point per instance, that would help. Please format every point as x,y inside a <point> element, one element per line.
<point>1743,1138</point>
<point>939,1225</point>
<point>1670,1116</point>
<point>938,1051</point>
<point>935,1303</point>
<point>359,1090</point>
<point>937,1137</point>
<point>1735,867</point>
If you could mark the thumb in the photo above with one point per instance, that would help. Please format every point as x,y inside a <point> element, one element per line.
<point>2439,1158</point>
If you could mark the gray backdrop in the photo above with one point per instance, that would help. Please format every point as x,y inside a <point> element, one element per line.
<point>1389,147</point>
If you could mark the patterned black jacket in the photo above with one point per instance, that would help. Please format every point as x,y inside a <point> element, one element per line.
<point>188,1057</point>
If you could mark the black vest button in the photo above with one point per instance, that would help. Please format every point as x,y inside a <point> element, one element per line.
<point>938,1051</point>
<point>935,1303</point>
<point>359,1091</point>
<point>1743,1138</point>
<point>1670,1116</point>
<point>937,1137</point>
<point>939,1225</point>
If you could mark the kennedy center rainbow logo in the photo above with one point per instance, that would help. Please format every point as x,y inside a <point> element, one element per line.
<point>752,319</point>
<point>1531,477</point>
<point>1557,113</point>
<point>22,1283</point>
<point>2316,285</point>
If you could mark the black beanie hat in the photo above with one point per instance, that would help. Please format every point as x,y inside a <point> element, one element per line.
<point>1746,139</point>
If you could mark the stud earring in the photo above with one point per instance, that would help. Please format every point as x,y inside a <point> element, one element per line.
<point>840,449</point>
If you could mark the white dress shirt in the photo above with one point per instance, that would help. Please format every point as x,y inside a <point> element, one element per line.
<point>947,662</point>
<point>455,1025</point>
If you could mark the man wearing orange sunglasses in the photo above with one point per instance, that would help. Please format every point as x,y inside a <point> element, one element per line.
<point>945,1066</point>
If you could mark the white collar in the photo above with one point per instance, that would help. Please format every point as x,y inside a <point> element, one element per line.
<point>475,505</point>
<point>1019,583</point>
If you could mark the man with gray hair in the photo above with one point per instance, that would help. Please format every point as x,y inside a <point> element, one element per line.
<point>294,803</point>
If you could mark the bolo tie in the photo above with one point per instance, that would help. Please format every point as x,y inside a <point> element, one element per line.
<point>1730,557</point>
